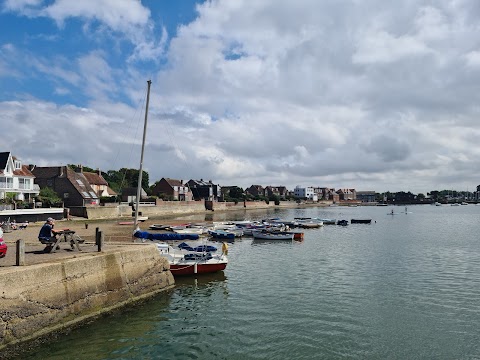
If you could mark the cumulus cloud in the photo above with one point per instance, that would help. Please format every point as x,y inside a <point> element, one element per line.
<point>376,95</point>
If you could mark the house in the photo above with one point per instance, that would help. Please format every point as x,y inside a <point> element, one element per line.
<point>172,189</point>
<point>205,190</point>
<point>306,193</point>
<point>70,185</point>
<point>129,194</point>
<point>255,190</point>
<point>366,196</point>
<point>347,194</point>
<point>98,183</point>
<point>16,178</point>
<point>280,191</point>
<point>321,192</point>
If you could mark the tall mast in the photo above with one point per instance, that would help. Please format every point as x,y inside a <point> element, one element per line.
<point>139,187</point>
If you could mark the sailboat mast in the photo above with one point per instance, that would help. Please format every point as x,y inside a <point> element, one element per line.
<point>140,173</point>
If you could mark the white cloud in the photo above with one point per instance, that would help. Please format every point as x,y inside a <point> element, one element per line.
<point>329,93</point>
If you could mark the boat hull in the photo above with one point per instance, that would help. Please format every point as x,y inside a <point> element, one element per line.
<point>187,269</point>
<point>361,221</point>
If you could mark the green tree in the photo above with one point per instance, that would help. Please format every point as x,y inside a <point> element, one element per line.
<point>49,197</point>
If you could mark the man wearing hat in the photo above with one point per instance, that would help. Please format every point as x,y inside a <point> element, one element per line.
<point>47,234</point>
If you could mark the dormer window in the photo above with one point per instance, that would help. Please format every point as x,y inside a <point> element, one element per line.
<point>17,165</point>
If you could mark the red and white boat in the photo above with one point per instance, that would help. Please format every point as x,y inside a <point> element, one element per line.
<point>186,262</point>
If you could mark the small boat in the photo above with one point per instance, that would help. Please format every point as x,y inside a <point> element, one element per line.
<point>125,222</point>
<point>189,230</point>
<point>188,261</point>
<point>159,227</point>
<point>361,221</point>
<point>268,235</point>
<point>327,221</point>
<point>221,234</point>
<point>145,235</point>
<point>310,224</point>
<point>342,222</point>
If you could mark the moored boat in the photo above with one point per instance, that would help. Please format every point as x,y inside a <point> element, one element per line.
<point>267,235</point>
<point>361,221</point>
<point>221,234</point>
<point>188,261</point>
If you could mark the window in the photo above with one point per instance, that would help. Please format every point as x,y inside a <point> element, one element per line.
<point>93,195</point>
<point>85,194</point>
<point>79,182</point>
<point>66,195</point>
<point>24,183</point>
<point>6,183</point>
<point>50,183</point>
<point>17,165</point>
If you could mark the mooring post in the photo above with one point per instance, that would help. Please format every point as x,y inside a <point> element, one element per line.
<point>101,239</point>
<point>20,252</point>
<point>96,235</point>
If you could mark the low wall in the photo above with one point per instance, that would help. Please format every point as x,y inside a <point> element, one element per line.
<point>171,208</point>
<point>39,299</point>
<point>166,208</point>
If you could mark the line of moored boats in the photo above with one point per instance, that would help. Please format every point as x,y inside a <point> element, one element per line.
<point>267,229</point>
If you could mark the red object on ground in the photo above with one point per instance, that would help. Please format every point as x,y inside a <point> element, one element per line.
<point>3,248</point>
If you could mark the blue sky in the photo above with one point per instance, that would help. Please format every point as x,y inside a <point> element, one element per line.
<point>367,95</point>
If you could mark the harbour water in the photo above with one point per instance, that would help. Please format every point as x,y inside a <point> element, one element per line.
<point>407,286</point>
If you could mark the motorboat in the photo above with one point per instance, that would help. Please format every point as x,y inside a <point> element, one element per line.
<point>190,230</point>
<point>272,235</point>
<point>361,221</point>
<point>187,261</point>
<point>309,224</point>
<point>327,221</point>
<point>145,235</point>
<point>222,234</point>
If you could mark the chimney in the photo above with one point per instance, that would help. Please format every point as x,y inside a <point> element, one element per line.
<point>31,167</point>
<point>79,168</point>
<point>99,172</point>
<point>181,182</point>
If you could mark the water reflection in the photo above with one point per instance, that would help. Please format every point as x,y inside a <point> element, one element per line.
<point>200,280</point>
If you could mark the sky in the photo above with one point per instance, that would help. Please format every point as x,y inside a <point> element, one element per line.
<point>372,94</point>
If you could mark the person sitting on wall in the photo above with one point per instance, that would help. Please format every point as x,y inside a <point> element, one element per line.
<point>47,234</point>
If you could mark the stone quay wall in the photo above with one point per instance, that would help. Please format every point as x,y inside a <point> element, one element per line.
<point>40,299</point>
<point>171,208</point>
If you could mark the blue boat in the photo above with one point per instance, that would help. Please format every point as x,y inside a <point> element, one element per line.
<point>164,236</point>
<point>221,234</point>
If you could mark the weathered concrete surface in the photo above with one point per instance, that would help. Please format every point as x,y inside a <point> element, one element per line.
<point>36,300</point>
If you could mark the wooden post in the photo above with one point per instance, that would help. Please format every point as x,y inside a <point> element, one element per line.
<point>20,252</point>
<point>101,239</point>
<point>96,235</point>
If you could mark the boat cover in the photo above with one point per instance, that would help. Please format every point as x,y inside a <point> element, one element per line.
<point>201,248</point>
<point>194,256</point>
<point>164,236</point>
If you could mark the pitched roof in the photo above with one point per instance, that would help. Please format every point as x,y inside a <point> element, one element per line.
<point>174,182</point>
<point>94,178</point>
<point>3,160</point>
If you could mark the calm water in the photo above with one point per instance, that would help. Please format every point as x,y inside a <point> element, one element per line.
<point>405,287</point>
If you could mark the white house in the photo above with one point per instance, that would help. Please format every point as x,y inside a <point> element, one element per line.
<point>16,178</point>
<point>305,193</point>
